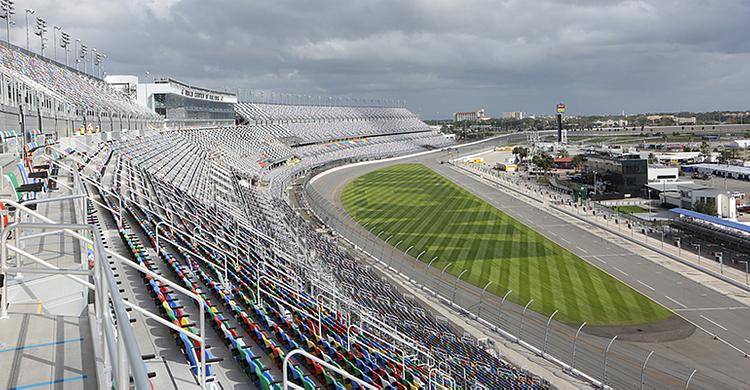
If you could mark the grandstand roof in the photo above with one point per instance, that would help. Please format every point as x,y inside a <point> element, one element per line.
<point>715,220</point>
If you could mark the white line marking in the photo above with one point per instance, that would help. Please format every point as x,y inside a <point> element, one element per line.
<point>552,233</point>
<point>621,271</point>
<point>599,259</point>
<point>713,322</point>
<point>730,308</point>
<point>563,238</point>
<point>581,249</point>
<point>677,303</point>
<point>746,340</point>
<point>647,286</point>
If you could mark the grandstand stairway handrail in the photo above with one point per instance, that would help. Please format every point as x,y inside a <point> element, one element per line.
<point>128,353</point>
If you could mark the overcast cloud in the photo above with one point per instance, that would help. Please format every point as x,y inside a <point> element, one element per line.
<point>597,56</point>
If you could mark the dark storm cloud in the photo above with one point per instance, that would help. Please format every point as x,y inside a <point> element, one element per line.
<point>442,56</point>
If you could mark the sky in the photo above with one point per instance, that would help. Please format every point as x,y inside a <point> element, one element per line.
<point>440,56</point>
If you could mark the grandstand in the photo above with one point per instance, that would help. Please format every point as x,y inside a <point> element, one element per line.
<point>199,219</point>
<point>179,228</point>
<point>57,99</point>
<point>301,125</point>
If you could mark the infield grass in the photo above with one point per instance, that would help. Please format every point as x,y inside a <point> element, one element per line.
<point>630,209</point>
<point>419,207</point>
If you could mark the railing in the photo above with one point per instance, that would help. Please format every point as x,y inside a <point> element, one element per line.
<point>124,351</point>
<point>102,280</point>
<point>285,368</point>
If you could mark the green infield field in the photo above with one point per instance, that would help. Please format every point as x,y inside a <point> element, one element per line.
<point>421,208</point>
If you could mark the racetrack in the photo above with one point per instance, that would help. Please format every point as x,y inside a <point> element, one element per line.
<point>420,209</point>
<point>718,366</point>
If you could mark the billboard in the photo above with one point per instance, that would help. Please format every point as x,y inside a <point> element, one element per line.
<point>560,108</point>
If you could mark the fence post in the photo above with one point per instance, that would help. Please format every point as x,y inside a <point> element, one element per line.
<point>546,332</point>
<point>606,351</point>
<point>441,277</point>
<point>455,286</point>
<point>500,309</point>
<point>575,340</point>
<point>687,383</point>
<point>643,368</point>
<point>426,268</point>
<point>523,315</point>
<point>481,298</point>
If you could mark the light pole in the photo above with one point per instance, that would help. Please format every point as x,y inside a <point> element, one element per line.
<point>93,59</point>
<point>99,60</point>
<point>699,252</point>
<point>75,51</point>
<point>594,183</point>
<point>82,55</point>
<point>721,261</point>
<point>746,269</point>
<point>8,8</point>
<point>41,28</point>
<point>64,43</point>
<point>55,29</point>
<point>29,11</point>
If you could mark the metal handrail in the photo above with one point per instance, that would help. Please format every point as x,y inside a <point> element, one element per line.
<point>127,346</point>
<point>285,383</point>
<point>127,262</point>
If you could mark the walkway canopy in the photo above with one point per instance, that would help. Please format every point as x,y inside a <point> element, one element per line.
<point>711,219</point>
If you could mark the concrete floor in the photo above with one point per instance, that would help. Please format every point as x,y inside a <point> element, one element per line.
<point>46,341</point>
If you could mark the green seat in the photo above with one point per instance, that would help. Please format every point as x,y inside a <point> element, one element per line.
<point>11,178</point>
<point>308,385</point>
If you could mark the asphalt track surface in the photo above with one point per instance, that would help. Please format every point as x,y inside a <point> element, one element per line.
<point>718,366</point>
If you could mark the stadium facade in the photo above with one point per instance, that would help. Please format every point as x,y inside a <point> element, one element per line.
<point>180,104</point>
<point>40,95</point>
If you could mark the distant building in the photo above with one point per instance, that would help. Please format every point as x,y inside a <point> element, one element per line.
<point>671,120</point>
<point>625,176</point>
<point>721,170</point>
<point>563,163</point>
<point>477,115</point>
<point>183,105</point>
<point>611,123</point>
<point>686,196</point>
<point>686,120</point>
<point>514,115</point>
<point>661,173</point>
<point>676,158</point>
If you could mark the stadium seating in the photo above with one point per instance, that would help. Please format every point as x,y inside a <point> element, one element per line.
<point>221,191</point>
<point>315,124</point>
<point>88,94</point>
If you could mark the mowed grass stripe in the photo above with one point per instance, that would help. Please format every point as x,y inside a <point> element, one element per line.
<point>423,209</point>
